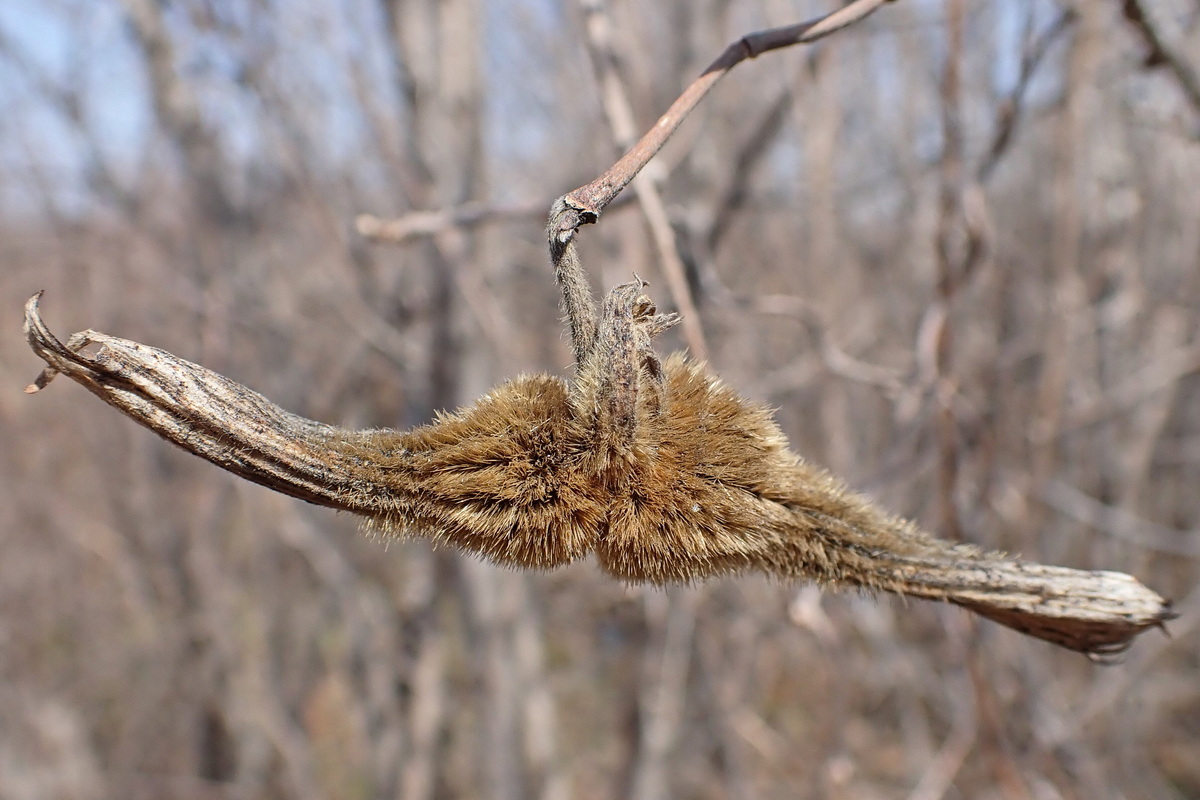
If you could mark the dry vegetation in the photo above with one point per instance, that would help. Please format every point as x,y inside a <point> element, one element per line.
<point>970,287</point>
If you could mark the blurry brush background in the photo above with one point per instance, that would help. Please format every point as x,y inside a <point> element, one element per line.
<point>957,247</point>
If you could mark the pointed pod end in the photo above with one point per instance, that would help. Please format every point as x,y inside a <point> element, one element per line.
<point>31,306</point>
<point>38,336</point>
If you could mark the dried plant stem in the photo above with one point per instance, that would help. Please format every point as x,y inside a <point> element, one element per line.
<point>587,202</point>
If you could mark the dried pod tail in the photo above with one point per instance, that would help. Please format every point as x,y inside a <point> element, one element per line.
<point>203,412</point>
<point>1098,613</point>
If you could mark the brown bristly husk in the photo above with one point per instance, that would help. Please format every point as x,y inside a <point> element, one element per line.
<point>697,482</point>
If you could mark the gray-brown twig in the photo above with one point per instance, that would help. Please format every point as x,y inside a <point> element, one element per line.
<point>589,200</point>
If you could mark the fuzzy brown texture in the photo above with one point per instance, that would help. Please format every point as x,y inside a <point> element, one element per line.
<point>658,468</point>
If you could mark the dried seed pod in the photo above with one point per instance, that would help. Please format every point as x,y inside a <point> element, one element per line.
<point>660,469</point>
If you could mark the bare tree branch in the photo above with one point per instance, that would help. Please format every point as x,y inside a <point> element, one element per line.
<point>1120,523</point>
<point>430,223</point>
<point>587,202</point>
<point>752,153</point>
<point>1011,108</point>
<point>1160,53</point>
<point>619,111</point>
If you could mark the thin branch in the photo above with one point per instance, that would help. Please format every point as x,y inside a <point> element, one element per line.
<point>756,147</point>
<point>619,111</point>
<point>1120,523</point>
<point>584,205</point>
<point>421,224</point>
<point>835,359</point>
<point>1010,109</point>
<point>1160,53</point>
<point>661,702</point>
<point>1159,374</point>
<point>955,260</point>
<point>939,774</point>
<point>588,201</point>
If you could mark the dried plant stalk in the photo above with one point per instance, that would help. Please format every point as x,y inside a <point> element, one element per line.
<point>658,468</point>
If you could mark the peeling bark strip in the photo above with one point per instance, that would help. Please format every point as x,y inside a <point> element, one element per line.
<point>695,483</point>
